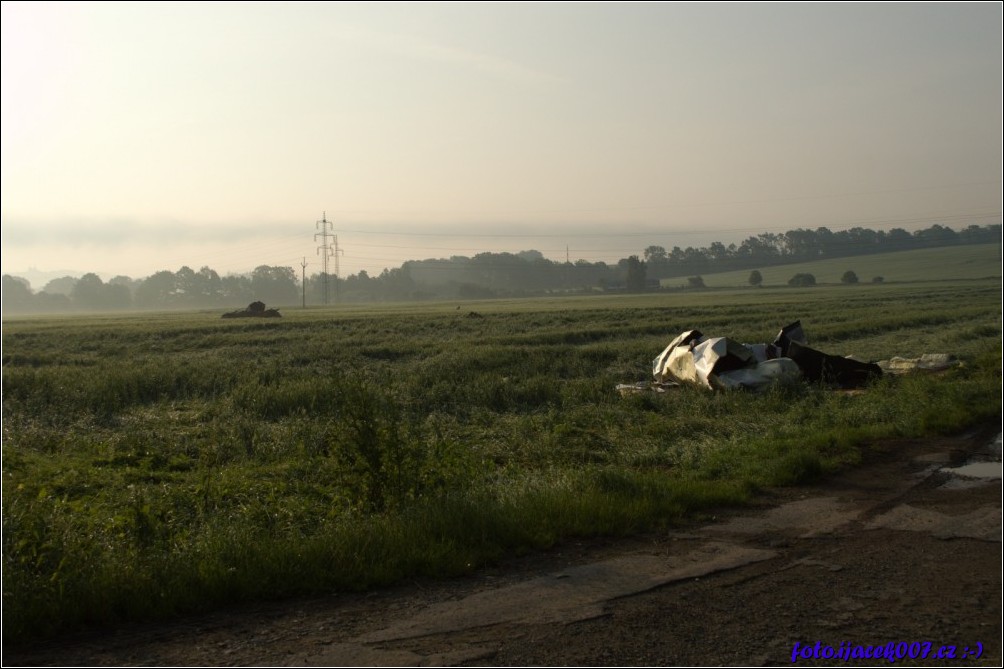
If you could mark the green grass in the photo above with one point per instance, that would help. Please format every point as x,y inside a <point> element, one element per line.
<point>163,464</point>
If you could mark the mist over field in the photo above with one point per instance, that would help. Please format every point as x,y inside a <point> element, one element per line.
<point>794,258</point>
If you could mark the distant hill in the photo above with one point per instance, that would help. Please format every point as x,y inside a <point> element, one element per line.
<point>950,262</point>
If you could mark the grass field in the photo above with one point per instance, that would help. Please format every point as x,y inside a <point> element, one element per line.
<point>980,261</point>
<point>161,464</point>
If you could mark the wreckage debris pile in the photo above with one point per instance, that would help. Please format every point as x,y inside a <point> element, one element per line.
<point>720,363</point>
<point>254,310</point>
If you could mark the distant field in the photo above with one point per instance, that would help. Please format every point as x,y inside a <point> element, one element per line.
<point>941,264</point>
<point>160,464</point>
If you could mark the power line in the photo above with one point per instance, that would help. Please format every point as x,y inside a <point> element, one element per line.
<point>678,205</point>
<point>290,244</point>
<point>676,231</point>
<point>324,249</point>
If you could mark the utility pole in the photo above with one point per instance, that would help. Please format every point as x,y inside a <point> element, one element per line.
<point>303,280</point>
<point>324,249</point>
<point>337,253</point>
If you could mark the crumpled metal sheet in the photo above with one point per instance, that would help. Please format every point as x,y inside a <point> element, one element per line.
<point>764,374</point>
<point>717,362</point>
<point>723,363</point>
<point>662,363</point>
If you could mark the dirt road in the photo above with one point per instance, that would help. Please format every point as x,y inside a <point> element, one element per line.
<point>902,553</point>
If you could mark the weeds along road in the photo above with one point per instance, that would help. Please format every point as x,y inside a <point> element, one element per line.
<point>902,552</point>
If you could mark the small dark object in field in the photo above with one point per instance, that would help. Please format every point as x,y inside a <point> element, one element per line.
<point>254,310</point>
<point>474,314</point>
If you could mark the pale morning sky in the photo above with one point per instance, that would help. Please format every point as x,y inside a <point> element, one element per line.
<point>147,136</point>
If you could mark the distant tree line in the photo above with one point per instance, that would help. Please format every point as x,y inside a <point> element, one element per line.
<point>184,289</point>
<point>481,276</point>
<point>803,245</point>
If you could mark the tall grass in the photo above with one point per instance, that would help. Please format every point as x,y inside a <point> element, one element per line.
<point>159,466</point>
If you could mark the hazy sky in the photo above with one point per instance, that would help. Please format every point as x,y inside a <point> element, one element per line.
<point>147,136</point>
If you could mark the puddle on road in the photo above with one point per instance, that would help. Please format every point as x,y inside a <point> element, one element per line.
<point>978,471</point>
<point>983,523</point>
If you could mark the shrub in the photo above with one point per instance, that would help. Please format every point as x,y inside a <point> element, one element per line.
<point>802,279</point>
